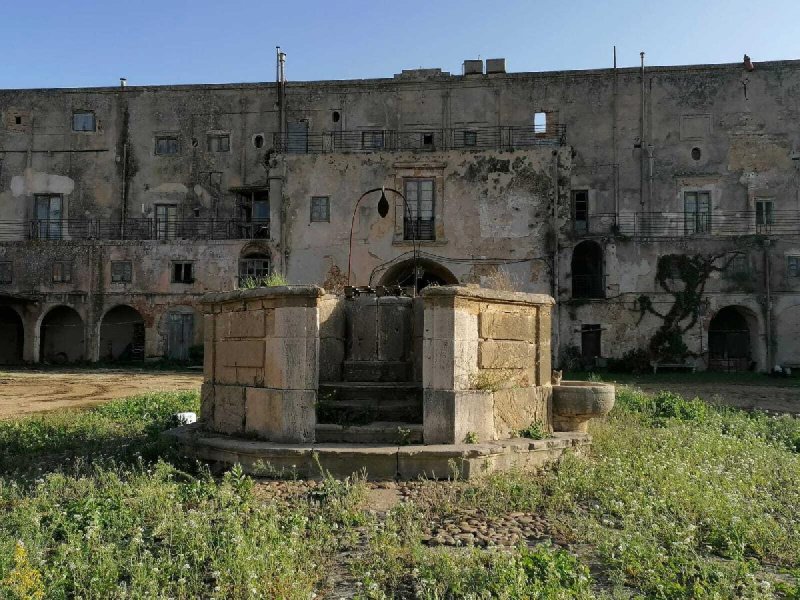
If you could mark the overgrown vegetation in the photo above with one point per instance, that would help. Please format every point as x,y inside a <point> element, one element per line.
<point>535,431</point>
<point>271,280</point>
<point>678,499</point>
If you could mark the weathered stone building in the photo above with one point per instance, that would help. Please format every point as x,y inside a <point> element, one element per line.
<point>658,205</point>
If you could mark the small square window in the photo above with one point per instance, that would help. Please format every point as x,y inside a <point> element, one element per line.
<point>18,120</point>
<point>427,139</point>
<point>167,145</point>
<point>6,271</point>
<point>320,209</point>
<point>121,271</point>
<point>793,266</point>
<point>219,142</point>
<point>62,272</point>
<point>182,272</point>
<point>470,138</point>
<point>83,121</point>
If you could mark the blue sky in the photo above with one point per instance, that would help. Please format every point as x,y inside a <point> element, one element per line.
<point>65,43</point>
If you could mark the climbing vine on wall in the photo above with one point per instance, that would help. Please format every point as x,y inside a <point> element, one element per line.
<point>684,277</point>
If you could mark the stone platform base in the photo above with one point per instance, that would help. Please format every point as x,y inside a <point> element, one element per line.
<point>380,462</point>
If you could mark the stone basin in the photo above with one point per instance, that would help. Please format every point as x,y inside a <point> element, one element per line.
<point>576,402</point>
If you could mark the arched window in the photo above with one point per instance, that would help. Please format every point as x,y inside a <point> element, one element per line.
<point>587,271</point>
<point>253,267</point>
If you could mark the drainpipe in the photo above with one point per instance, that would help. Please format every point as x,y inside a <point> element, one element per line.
<point>614,168</point>
<point>280,85</point>
<point>555,275</point>
<point>641,134</point>
<point>768,311</point>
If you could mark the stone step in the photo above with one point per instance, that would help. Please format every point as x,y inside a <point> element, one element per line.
<point>377,370</point>
<point>358,403</point>
<point>379,432</point>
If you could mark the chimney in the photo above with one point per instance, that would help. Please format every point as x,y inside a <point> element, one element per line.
<point>473,67</point>
<point>123,82</point>
<point>748,65</point>
<point>495,65</point>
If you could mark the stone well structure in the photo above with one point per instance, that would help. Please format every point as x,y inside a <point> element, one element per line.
<point>297,381</point>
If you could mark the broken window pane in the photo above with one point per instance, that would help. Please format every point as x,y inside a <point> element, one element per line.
<point>83,121</point>
<point>320,209</point>
<point>253,267</point>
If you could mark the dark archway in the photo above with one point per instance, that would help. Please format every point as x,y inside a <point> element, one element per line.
<point>61,336</point>
<point>587,271</point>
<point>12,336</point>
<point>729,340</point>
<point>122,334</point>
<point>428,273</point>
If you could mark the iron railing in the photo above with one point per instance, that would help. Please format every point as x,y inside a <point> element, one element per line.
<point>682,224</point>
<point>418,229</point>
<point>374,140</point>
<point>135,229</point>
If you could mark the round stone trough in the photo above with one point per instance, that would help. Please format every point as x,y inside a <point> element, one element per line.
<point>576,402</point>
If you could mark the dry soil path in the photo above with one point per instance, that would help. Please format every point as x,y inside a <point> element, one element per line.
<point>775,398</point>
<point>27,391</point>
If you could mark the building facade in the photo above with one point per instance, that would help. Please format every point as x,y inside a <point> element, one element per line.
<point>660,205</point>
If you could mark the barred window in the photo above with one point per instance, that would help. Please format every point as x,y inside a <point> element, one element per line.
<point>320,209</point>
<point>121,271</point>
<point>62,272</point>
<point>6,271</point>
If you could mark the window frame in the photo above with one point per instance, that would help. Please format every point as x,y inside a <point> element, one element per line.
<point>574,211</point>
<point>470,138</point>
<point>246,262</point>
<point>49,228</point>
<point>793,266</point>
<point>6,272</point>
<point>697,221</point>
<point>165,137</point>
<point>764,214</point>
<point>314,216</point>
<point>84,113</point>
<point>218,137</point>
<point>61,271</point>
<point>369,137</point>
<point>412,211</point>
<point>181,265</point>
<point>127,271</point>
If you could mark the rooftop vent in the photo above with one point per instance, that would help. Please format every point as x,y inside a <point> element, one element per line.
<point>473,67</point>
<point>495,65</point>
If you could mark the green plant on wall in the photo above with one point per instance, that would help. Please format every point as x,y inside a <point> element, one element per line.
<point>271,280</point>
<point>685,278</point>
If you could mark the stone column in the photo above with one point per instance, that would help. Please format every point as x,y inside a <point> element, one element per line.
<point>261,362</point>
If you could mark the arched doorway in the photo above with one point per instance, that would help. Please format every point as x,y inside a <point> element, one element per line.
<point>122,334</point>
<point>587,271</point>
<point>61,336</point>
<point>428,273</point>
<point>12,336</point>
<point>730,341</point>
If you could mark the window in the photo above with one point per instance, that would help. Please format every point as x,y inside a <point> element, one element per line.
<point>764,215</point>
<point>697,212</point>
<point>18,120</point>
<point>6,269</point>
<point>253,267</point>
<point>540,122</point>
<point>182,272</point>
<point>121,271</point>
<point>167,145</point>
<point>258,141</point>
<point>83,121</point>
<point>580,211</point>
<point>793,266</point>
<point>62,272</point>
<point>588,280</point>
<point>419,214</point>
<point>219,142</point>
<point>372,140</point>
<point>166,221</point>
<point>470,138</point>
<point>738,265</point>
<point>427,140</point>
<point>320,209</point>
<point>47,225</point>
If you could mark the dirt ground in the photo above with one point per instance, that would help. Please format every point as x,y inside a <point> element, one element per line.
<point>773,397</point>
<point>27,391</point>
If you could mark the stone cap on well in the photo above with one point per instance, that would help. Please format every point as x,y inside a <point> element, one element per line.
<point>278,291</point>
<point>481,293</point>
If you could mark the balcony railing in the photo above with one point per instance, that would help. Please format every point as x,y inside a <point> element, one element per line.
<point>374,140</point>
<point>418,229</point>
<point>683,224</point>
<point>135,229</point>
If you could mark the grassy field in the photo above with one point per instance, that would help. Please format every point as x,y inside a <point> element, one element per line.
<point>677,500</point>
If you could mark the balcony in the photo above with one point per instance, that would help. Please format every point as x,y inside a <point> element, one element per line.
<point>135,229</point>
<point>375,140</point>
<point>682,224</point>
